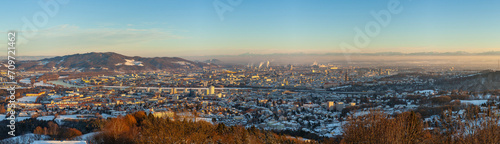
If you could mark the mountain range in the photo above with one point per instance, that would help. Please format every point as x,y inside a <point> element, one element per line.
<point>457,53</point>
<point>108,61</point>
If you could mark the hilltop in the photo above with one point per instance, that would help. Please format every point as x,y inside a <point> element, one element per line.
<point>95,61</point>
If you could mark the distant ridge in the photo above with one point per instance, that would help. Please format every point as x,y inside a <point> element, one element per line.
<point>457,53</point>
<point>95,61</point>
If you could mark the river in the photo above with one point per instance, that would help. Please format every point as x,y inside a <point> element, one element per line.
<point>61,82</point>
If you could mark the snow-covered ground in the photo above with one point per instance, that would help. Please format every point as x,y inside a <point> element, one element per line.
<point>22,118</point>
<point>361,113</point>
<point>25,81</point>
<point>59,142</point>
<point>45,139</point>
<point>182,63</point>
<point>131,63</point>
<point>47,118</point>
<point>474,102</point>
<point>43,84</point>
<point>106,116</point>
<point>337,131</point>
<point>59,119</point>
<point>55,96</point>
<point>86,137</point>
<point>61,77</point>
<point>43,63</point>
<point>340,87</point>
<point>27,99</point>
<point>24,139</point>
<point>426,92</point>
<point>204,119</point>
<point>75,81</point>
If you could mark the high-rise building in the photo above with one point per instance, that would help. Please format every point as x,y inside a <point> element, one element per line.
<point>173,91</point>
<point>331,105</point>
<point>339,106</point>
<point>211,90</point>
<point>346,77</point>
<point>192,93</point>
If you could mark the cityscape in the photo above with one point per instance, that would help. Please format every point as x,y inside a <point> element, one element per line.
<point>212,76</point>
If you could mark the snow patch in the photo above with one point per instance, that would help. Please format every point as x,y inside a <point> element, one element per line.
<point>182,63</point>
<point>25,81</point>
<point>25,139</point>
<point>474,102</point>
<point>86,137</point>
<point>43,63</point>
<point>425,92</point>
<point>130,63</point>
<point>42,84</point>
<point>27,99</point>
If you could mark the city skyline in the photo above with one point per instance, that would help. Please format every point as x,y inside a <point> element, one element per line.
<point>176,28</point>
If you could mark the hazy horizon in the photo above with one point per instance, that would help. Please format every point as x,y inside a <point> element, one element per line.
<point>467,61</point>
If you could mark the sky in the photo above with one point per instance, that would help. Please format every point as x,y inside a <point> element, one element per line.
<point>232,27</point>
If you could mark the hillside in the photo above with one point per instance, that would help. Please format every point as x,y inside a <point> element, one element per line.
<point>484,81</point>
<point>108,61</point>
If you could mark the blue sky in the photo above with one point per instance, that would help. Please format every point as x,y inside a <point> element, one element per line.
<point>194,28</point>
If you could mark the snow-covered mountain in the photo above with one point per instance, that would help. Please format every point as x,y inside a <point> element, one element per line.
<point>109,61</point>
